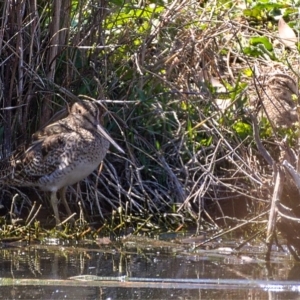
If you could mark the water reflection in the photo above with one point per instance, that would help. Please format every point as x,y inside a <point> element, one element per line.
<point>47,271</point>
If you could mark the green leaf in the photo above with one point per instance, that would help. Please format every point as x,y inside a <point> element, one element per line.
<point>190,129</point>
<point>242,129</point>
<point>253,13</point>
<point>261,40</point>
<point>248,72</point>
<point>157,145</point>
<point>118,2</point>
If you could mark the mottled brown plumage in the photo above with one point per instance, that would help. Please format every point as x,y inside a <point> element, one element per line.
<point>277,99</point>
<point>60,154</point>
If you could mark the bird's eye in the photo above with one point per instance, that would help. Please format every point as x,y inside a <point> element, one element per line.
<point>79,111</point>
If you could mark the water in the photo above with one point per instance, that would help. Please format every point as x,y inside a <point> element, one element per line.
<point>143,270</point>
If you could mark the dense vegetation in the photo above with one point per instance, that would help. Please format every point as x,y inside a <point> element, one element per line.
<point>178,80</point>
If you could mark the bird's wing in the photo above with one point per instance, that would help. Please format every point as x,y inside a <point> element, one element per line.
<point>42,157</point>
<point>61,126</point>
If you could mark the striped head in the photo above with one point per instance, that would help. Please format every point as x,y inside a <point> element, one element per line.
<point>88,114</point>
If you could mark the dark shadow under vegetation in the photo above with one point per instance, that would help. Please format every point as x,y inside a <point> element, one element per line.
<point>201,96</point>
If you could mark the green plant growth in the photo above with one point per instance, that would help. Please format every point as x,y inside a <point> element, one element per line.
<point>162,69</point>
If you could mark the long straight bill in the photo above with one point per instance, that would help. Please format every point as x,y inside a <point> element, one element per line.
<point>102,132</point>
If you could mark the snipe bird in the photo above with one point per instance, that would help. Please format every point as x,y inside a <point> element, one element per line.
<point>60,154</point>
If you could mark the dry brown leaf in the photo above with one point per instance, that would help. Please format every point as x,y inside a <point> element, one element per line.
<point>287,34</point>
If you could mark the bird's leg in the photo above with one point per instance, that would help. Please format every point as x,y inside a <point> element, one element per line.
<point>54,202</point>
<point>62,193</point>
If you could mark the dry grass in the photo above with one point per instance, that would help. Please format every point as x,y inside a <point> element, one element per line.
<point>178,88</point>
